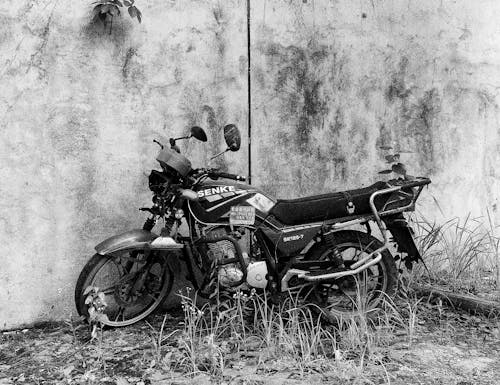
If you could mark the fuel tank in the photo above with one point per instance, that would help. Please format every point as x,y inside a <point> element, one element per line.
<point>226,201</point>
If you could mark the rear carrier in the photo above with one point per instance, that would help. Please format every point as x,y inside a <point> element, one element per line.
<point>399,196</point>
<point>385,205</point>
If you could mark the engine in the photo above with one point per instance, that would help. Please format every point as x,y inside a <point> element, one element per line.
<point>229,275</point>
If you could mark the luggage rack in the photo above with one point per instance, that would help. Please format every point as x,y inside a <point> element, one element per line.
<point>416,185</point>
<point>375,256</point>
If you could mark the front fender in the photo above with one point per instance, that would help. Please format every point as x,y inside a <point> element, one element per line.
<point>129,240</point>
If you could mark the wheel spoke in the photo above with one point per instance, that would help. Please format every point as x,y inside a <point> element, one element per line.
<point>150,295</point>
<point>109,290</point>
<point>121,311</point>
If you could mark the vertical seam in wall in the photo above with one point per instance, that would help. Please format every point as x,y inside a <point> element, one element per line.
<point>249,97</point>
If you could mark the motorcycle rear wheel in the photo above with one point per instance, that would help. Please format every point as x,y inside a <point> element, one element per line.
<point>131,294</point>
<point>358,295</point>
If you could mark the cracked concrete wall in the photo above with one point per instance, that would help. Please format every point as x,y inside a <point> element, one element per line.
<point>79,109</point>
<point>331,82</point>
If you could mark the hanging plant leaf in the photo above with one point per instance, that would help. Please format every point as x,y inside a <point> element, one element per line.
<point>97,9</point>
<point>392,158</point>
<point>105,8</point>
<point>132,11</point>
<point>118,2</point>
<point>385,172</point>
<point>114,11</point>
<point>139,15</point>
<point>399,168</point>
<point>127,3</point>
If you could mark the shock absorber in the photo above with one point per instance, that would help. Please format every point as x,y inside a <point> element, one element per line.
<point>166,231</point>
<point>336,256</point>
<point>149,224</point>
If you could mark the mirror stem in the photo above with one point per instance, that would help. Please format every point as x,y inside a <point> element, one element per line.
<point>219,154</point>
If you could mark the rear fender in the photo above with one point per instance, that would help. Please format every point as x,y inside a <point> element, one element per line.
<point>129,240</point>
<point>402,235</point>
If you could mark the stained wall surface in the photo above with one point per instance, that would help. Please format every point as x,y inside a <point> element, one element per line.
<point>332,81</point>
<point>335,80</point>
<point>79,108</point>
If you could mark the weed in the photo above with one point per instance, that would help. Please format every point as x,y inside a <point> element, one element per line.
<point>458,252</point>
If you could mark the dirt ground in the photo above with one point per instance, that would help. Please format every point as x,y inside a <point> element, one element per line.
<point>448,347</point>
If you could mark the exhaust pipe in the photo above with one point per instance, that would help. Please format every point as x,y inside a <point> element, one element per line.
<point>305,275</point>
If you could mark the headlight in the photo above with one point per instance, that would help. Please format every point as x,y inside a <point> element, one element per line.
<point>158,181</point>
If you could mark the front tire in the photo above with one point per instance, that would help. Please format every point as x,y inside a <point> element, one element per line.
<point>133,288</point>
<point>356,295</point>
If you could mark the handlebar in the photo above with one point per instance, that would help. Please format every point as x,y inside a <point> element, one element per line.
<point>217,174</point>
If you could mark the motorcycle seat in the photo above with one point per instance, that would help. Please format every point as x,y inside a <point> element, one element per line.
<point>318,208</point>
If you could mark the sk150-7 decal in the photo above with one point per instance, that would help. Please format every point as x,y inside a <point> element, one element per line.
<point>297,237</point>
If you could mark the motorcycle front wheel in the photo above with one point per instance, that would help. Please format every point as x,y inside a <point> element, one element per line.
<point>354,295</point>
<point>133,285</point>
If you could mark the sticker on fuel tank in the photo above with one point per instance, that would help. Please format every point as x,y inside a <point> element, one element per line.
<point>242,215</point>
<point>261,202</point>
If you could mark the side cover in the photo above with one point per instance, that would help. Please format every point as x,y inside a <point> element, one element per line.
<point>292,240</point>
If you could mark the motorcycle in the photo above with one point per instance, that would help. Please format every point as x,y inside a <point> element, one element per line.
<point>240,238</point>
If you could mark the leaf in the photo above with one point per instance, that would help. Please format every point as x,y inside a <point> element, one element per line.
<point>385,172</point>
<point>88,289</point>
<point>399,168</point>
<point>121,381</point>
<point>97,9</point>
<point>102,318</point>
<point>118,2</point>
<point>106,8</point>
<point>132,11</point>
<point>392,158</point>
<point>114,10</point>
<point>67,370</point>
<point>139,15</point>
<point>127,3</point>
<point>93,333</point>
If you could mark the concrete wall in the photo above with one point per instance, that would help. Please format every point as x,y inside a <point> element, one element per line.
<point>331,82</point>
<point>78,111</point>
<point>334,80</point>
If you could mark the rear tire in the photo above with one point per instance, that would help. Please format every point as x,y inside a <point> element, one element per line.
<point>128,301</point>
<point>361,294</point>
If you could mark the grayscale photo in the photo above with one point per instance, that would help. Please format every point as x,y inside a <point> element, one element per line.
<point>249,192</point>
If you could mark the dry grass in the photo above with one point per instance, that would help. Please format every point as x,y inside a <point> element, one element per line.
<point>216,337</point>
<point>460,254</point>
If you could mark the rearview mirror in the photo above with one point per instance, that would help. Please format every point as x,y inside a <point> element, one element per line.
<point>232,137</point>
<point>198,133</point>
